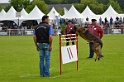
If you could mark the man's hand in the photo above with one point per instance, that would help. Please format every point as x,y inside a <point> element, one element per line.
<point>50,42</point>
<point>50,48</point>
<point>35,41</point>
<point>37,48</point>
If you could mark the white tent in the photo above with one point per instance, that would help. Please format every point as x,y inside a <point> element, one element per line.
<point>53,13</point>
<point>88,13</point>
<point>35,14</point>
<point>2,13</point>
<point>72,13</point>
<point>65,10</point>
<point>10,15</point>
<point>23,13</point>
<point>110,12</point>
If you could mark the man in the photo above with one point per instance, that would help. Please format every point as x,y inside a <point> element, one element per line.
<point>87,21</point>
<point>111,21</point>
<point>100,21</point>
<point>43,42</point>
<point>68,28</point>
<point>106,20</point>
<point>96,30</point>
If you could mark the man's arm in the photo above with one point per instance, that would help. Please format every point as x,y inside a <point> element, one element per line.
<point>50,37</point>
<point>101,32</point>
<point>35,40</point>
<point>50,41</point>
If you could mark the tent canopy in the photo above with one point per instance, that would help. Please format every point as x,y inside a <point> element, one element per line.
<point>2,13</point>
<point>72,13</point>
<point>10,15</point>
<point>53,13</point>
<point>87,12</point>
<point>35,14</point>
<point>109,12</point>
<point>65,10</point>
<point>23,13</point>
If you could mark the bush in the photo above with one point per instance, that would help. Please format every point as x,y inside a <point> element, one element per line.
<point>63,28</point>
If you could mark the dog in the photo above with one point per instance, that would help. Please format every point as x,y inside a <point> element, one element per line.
<point>90,37</point>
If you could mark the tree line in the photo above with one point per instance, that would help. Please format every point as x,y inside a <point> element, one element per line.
<point>97,6</point>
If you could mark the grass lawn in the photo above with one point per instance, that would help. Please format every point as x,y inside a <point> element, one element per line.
<point>19,61</point>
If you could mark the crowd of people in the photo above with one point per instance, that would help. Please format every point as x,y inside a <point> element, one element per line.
<point>56,24</point>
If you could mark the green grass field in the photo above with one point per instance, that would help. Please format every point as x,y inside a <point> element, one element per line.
<point>19,61</point>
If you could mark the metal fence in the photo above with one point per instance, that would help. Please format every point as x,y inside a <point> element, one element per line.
<point>17,32</point>
<point>27,32</point>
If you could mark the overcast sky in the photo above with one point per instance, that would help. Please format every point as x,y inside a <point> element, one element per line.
<point>5,1</point>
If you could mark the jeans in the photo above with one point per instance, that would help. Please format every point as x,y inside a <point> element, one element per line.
<point>91,50</point>
<point>44,53</point>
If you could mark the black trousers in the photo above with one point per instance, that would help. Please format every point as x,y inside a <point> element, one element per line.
<point>67,43</point>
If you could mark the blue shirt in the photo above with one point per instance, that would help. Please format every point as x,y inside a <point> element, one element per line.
<point>50,31</point>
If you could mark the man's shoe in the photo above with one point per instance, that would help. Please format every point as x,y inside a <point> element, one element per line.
<point>89,57</point>
<point>41,75</point>
<point>47,75</point>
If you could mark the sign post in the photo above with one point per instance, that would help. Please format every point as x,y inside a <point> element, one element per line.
<point>68,53</point>
<point>18,15</point>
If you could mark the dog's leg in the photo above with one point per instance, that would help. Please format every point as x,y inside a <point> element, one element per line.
<point>97,54</point>
<point>100,51</point>
<point>95,48</point>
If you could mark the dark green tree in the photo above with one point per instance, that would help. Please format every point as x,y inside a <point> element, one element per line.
<point>115,5</point>
<point>60,11</point>
<point>70,1</point>
<point>103,1</point>
<point>41,5</point>
<point>121,3</point>
<point>80,7</point>
<point>0,7</point>
<point>18,4</point>
<point>96,7</point>
<point>61,1</point>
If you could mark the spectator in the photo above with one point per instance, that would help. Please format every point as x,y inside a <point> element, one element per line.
<point>120,20</point>
<point>74,21</point>
<point>43,42</point>
<point>0,28</point>
<point>111,21</point>
<point>68,28</point>
<point>100,21</point>
<point>117,19</point>
<point>66,21</point>
<point>87,21</point>
<point>106,20</point>
<point>123,19</point>
<point>103,25</point>
<point>96,30</point>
